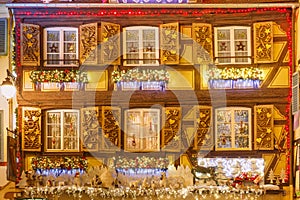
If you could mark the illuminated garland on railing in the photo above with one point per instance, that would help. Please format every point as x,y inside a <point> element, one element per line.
<point>64,163</point>
<point>58,76</point>
<point>234,73</point>
<point>141,75</point>
<point>141,162</point>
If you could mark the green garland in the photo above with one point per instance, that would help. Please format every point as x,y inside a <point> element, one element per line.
<point>59,76</point>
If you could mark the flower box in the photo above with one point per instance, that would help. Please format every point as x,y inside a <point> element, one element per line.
<point>130,85</point>
<point>220,84</point>
<point>152,85</point>
<point>71,86</point>
<point>50,86</point>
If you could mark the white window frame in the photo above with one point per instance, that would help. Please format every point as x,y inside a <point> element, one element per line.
<point>143,130</point>
<point>232,127</point>
<point>61,132</point>
<point>232,44</point>
<point>61,52</point>
<point>141,49</point>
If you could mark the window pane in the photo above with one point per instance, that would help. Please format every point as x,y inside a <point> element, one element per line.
<point>70,130</point>
<point>132,46</point>
<point>70,36</point>
<point>223,34</point>
<point>224,57</point>
<point>240,34</point>
<point>52,35</point>
<point>53,131</point>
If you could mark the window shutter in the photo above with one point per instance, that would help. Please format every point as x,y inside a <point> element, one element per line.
<point>295,92</point>
<point>169,43</point>
<point>111,130</point>
<point>171,135</point>
<point>88,43</point>
<point>30,45</point>
<point>202,43</point>
<point>264,127</point>
<point>3,36</point>
<point>263,42</point>
<point>90,128</point>
<point>110,43</point>
<point>31,129</point>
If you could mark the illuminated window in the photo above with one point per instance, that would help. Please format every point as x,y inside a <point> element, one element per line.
<point>142,130</point>
<point>62,130</point>
<point>61,46</point>
<point>233,128</point>
<point>141,46</point>
<point>232,45</point>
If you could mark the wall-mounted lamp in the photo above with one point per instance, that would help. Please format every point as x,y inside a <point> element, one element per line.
<point>8,89</point>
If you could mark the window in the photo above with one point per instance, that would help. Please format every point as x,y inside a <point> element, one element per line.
<point>3,36</point>
<point>62,130</point>
<point>61,46</point>
<point>141,46</point>
<point>233,128</point>
<point>232,45</point>
<point>142,130</point>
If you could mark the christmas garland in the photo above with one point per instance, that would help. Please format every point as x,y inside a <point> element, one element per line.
<point>67,163</point>
<point>235,73</point>
<point>140,75</point>
<point>58,76</point>
<point>141,163</point>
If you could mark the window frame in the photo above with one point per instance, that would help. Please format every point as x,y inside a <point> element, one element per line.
<point>141,125</point>
<point>62,135</point>
<point>232,50</point>
<point>141,48</point>
<point>61,53</point>
<point>233,132</point>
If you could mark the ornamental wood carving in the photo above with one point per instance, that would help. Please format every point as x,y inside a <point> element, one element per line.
<point>90,128</point>
<point>263,42</point>
<point>263,127</point>
<point>169,43</point>
<point>111,130</point>
<point>88,43</point>
<point>171,135</point>
<point>202,43</point>
<point>31,129</point>
<point>30,44</point>
<point>203,121</point>
<point>110,43</point>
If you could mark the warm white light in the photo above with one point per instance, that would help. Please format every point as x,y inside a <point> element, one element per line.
<point>8,90</point>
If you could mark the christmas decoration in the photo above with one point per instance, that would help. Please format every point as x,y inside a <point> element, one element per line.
<point>59,76</point>
<point>137,75</point>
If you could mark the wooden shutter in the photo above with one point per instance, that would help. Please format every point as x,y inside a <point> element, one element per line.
<point>31,129</point>
<point>110,43</point>
<point>88,43</point>
<point>295,92</point>
<point>171,135</point>
<point>90,128</point>
<point>263,42</point>
<point>263,127</point>
<point>3,36</point>
<point>30,45</point>
<point>111,128</point>
<point>169,43</point>
<point>202,43</point>
<point>203,132</point>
